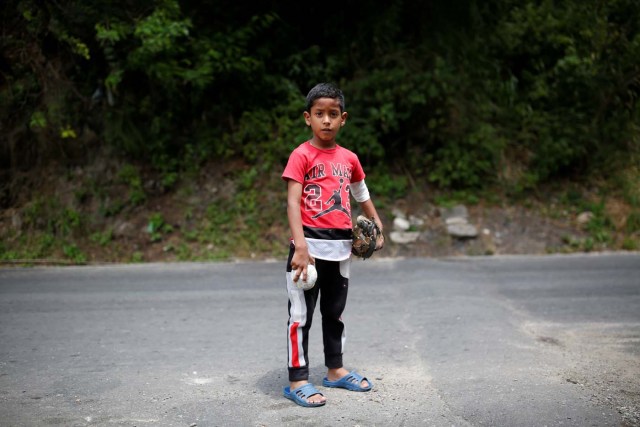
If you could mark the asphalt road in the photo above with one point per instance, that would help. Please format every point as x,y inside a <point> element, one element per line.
<point>500,341</point>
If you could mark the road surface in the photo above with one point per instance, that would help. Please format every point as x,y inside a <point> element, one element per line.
<point>491,341</point>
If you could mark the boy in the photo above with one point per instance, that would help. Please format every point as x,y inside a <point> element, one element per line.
<point>320,176</point>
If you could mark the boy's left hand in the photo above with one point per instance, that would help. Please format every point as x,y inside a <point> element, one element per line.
<point>379,241</point>
<point>365,231</point>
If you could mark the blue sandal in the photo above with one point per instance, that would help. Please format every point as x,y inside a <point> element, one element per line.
<point>301,394</point>
<point>352,381</point>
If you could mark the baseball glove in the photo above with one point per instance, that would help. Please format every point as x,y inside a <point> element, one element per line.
<point>365,235</point>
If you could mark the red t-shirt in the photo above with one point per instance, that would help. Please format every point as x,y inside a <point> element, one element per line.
<point>325,208</point>
<point>325,176</point>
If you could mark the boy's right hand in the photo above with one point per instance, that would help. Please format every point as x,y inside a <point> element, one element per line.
<point>299,262</point>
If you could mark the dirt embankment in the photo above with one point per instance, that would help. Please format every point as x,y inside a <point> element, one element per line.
<point>110,212</point>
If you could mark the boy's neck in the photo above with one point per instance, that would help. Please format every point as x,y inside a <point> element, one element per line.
<point>323,145</point>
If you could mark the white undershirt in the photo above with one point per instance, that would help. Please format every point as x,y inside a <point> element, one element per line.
<point>360,191</point>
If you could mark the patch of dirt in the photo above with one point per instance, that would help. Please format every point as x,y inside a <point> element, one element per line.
<point>502,229</point>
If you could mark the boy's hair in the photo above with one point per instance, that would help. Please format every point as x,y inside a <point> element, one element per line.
<point>324,90</point>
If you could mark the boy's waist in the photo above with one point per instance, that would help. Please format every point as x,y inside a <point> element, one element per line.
<point>327,233</point>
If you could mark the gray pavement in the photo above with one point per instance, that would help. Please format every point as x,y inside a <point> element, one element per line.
<point>500,341</point>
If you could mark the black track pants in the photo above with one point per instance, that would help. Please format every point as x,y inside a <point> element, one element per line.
<point>331,287</point>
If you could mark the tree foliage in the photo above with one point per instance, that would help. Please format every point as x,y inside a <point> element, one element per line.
<point>458,93</point>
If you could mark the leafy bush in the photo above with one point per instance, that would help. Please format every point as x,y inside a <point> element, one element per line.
<point>509,92</point>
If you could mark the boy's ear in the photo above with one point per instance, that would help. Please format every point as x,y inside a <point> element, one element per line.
<point>344,118</point>
<point>307,118</point>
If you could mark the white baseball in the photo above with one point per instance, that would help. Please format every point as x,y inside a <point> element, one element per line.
<point>312,276</point>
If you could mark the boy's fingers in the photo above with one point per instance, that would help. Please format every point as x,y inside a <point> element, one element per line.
<point>301,268</point>
<point>297,272</point>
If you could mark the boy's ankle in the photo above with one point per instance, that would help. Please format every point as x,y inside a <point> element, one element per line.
<point>295,384</point>
<point>334,374</point>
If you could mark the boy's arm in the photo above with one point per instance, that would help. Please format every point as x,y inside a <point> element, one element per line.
<point>369,210</point>
<point>301,255</point>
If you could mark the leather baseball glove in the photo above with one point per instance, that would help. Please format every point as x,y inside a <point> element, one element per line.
<point>365,235</point>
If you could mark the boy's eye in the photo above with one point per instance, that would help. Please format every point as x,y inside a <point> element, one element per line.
<point>332,114</point>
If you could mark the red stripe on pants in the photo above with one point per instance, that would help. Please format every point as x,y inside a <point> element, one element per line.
<point>293,336</point>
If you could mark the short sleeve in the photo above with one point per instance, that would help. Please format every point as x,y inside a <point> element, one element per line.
<point>296,167</point>
<point>357,173</point>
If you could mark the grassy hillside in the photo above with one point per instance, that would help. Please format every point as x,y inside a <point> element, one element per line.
<point>113,211</point>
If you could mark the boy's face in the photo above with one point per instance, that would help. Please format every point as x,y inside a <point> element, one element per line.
<point>325,119</point>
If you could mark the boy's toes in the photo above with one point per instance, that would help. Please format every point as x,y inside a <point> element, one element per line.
<point>316,398</point>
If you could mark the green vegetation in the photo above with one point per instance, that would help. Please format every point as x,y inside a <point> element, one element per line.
<point>129,176</point>
<point>475,100</point>
<point>157,227</point>
<point>461,94</point>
